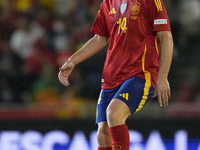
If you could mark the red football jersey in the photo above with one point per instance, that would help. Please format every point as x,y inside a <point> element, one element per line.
<point>134,48</point>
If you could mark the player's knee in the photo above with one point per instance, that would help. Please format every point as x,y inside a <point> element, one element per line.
<point>103,137</point>
<point>117,115</point>
<point>112,116</point>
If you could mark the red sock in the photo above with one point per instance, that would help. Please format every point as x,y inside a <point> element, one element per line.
<point>104,148</point>
<point>120,137</point>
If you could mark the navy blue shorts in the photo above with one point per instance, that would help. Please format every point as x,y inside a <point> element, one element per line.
<point>135,92</point>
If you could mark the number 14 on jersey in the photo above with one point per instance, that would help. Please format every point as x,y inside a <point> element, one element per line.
<point>122,24</point>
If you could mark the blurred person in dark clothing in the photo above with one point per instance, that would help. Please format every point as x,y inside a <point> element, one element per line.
<point>8,19</point>
<point>11,74</point>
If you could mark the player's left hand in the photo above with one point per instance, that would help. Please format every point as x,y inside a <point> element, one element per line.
<point>162,91</point>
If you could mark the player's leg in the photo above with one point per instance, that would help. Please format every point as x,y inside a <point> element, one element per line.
<point>103,133</point>
<point>103,136</point>
<point>117,113</point>
<point>132,95</point>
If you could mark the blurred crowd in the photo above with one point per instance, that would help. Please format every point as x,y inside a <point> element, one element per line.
<point>38,36</point>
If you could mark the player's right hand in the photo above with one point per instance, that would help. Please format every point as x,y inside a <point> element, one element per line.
<point>65,71</point>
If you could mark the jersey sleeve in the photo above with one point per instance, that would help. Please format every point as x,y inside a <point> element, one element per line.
<point>158,16</point>
<point>99,26</point>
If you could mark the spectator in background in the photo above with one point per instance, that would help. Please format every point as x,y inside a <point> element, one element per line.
<point>67,50</point>
<point>45,19</point>
<point>8,13</point>
<point>43,13</point>
<point>93,7</point>
<point>82,33</point>
<point>31,21</point>
<point>60,34</point>
<point>10,73</point>
<point>34,64</point>
<point>6,90</point>
<point>62,7</point>
<point>189,14</point>
<point>24,36</point>
<point>40,56</point>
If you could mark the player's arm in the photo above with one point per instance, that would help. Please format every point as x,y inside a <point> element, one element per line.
<point>90,48</point>
<point>94,45</point>
<point>162,89</point>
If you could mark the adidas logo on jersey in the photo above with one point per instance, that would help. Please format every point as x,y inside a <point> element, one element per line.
<point>112,11</point>
<point>158,5</point>
<point>125,95</point>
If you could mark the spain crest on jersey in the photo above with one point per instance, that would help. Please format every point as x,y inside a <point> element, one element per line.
<point>135,8</point>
